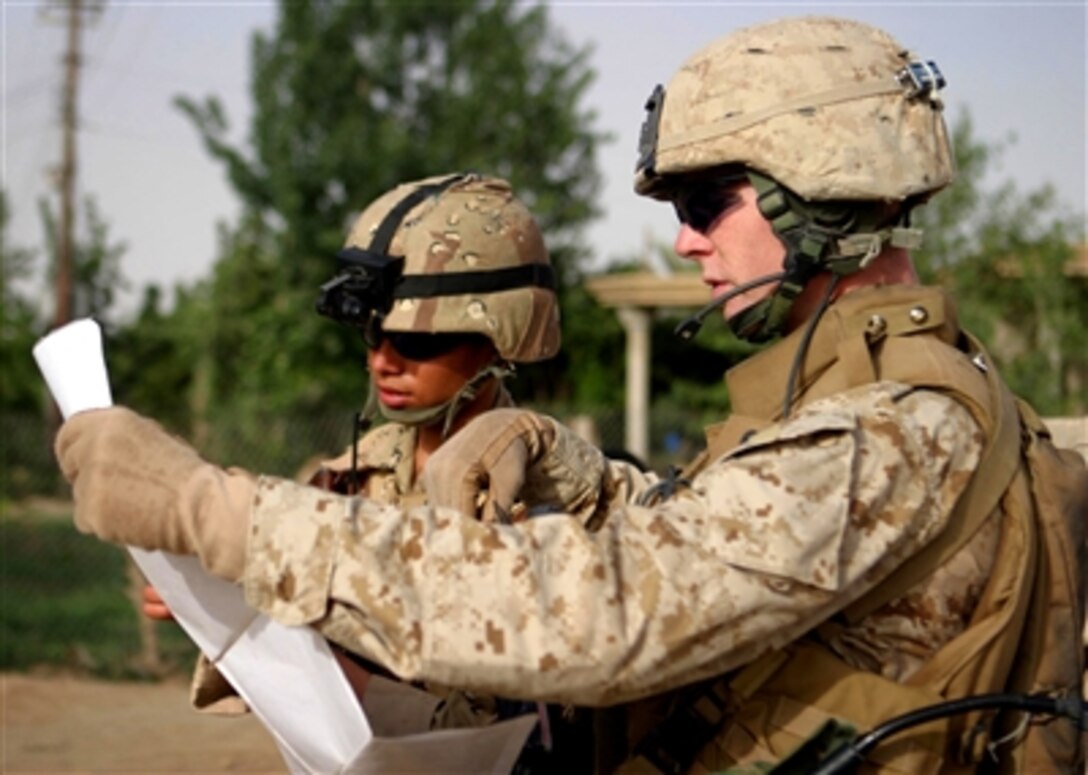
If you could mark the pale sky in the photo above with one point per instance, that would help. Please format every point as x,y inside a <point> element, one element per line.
<point>1020,68</point>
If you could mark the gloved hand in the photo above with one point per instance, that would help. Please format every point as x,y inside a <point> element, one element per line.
<point>135,484</point>
<point>509,454</point>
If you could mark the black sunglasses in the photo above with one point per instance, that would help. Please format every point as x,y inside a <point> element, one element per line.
<point>415,346</point>
<point>699,204</point>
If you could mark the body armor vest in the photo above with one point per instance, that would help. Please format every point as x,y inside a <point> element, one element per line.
<point>1024,632</point>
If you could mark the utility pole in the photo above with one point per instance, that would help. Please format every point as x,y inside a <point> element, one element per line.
<point>67,179</point>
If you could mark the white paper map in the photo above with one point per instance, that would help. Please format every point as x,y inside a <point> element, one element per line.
<point>287,675</point>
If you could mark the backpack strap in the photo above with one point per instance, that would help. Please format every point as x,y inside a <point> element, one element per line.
<point>922,362</point>
<point>999,462</point>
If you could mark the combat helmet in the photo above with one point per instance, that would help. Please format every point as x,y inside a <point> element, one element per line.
<point>834,123</point>
<point>450,254</point>
<point>453,254</point>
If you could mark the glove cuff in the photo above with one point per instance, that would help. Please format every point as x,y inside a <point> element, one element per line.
<point>215,507</point>
<point>568,475</point>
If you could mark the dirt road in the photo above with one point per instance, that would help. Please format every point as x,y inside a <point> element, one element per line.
<point>70,725</point>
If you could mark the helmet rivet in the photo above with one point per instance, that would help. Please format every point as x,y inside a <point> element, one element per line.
<point>876,326</point>
<point>918,314</point>
<point>476,309</point>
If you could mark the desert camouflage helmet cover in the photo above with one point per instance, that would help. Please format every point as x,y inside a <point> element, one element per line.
<point>830,108</point>
<point>474,225</point>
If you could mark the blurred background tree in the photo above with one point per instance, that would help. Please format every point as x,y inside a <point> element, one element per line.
<point>20,389</point>
<point>26,422</point>
<point>1016,264</point>
<point>351,99</point>
<point>96,264</point>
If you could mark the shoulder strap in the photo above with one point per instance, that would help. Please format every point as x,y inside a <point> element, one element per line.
<point>999,463</point>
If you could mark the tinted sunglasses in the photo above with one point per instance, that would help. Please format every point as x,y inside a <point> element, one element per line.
<point>415,346</point>
<point>699,204</point>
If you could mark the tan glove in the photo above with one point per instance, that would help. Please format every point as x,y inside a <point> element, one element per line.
<point>507,454</point>
<point>135,484</point>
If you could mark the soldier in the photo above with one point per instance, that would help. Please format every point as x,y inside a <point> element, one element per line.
<point>861,538</point>
<point>438,356</point>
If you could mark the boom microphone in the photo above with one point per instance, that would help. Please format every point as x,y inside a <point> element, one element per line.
<point>690,327</point>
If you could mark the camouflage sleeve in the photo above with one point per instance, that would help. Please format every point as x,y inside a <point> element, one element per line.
<point>771,539</point>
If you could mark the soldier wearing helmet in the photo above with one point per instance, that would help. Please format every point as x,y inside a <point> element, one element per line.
<point>449,281</point>
<point>859,540</point>
<point>834,129</point>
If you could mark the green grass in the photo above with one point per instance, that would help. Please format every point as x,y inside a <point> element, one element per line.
<point>65,602</point>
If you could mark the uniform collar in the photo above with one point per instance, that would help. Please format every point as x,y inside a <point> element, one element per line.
<point>756,386</point>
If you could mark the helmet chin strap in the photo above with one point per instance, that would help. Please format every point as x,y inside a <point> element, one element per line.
<point>448,410</point>
<point>807,232</point>
<point>836,237</point>
<point>767,318</point>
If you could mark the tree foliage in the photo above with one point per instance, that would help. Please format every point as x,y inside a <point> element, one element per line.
<point>350,99</point>
<point>96,278</point>
<point>20,388</point>
<point>96,261</point>
<point>1007,257</point>
<point>26,425</point>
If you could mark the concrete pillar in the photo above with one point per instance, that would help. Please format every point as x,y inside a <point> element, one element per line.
<point>636,325</point>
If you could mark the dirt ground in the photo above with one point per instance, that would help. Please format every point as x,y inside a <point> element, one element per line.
<point>61,724</point>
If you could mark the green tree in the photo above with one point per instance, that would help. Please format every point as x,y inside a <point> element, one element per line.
<point>96,261</point>
<point>28,464</point>
<point>26,461</point>
<point>351,98</point>
<point>20,326</point>
<point>1007,258</point>
<point>151,359</point>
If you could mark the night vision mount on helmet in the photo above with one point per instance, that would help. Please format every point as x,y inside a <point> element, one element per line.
<point>457,254</point>
<point>450,255</point>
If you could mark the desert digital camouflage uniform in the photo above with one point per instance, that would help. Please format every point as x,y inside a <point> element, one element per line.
<point>385,464</point>
<point>465,222</point>
<point>396,591</point>
<point>788,523</point>
<point>773,537</point>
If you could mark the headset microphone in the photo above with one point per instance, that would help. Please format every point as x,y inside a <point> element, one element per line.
<point>690,327</point>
